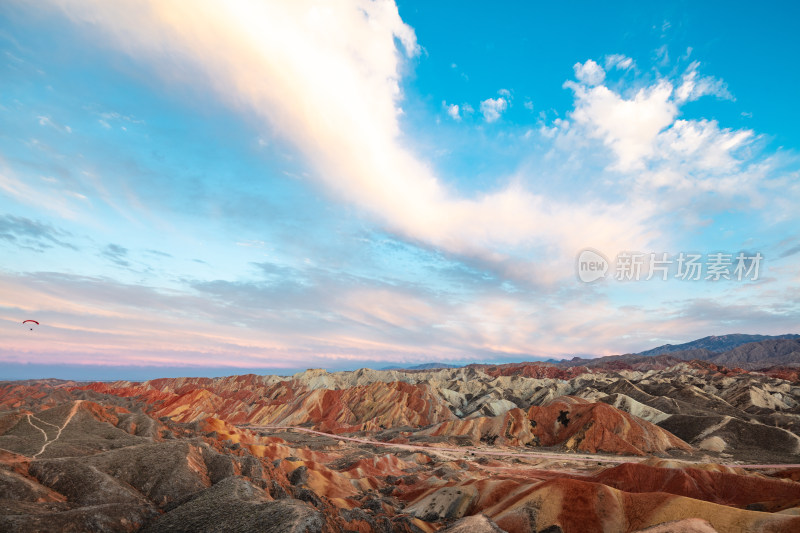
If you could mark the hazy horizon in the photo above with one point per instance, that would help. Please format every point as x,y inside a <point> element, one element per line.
<point>89,372</point>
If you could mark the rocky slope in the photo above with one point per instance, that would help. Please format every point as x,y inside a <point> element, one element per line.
<point>634,409</point>
<point>581,425</point>
<point>493,448</point>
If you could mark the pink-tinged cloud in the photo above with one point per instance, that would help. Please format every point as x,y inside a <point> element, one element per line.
<point>121,324</point>
<point>326,77</point>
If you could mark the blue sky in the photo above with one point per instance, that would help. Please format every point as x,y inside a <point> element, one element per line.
<point>256,185</point>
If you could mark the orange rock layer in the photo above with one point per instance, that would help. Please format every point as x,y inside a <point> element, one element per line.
<point>247,401</point>
<point>589,427</point>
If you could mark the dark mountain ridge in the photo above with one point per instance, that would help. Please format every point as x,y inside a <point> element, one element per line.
<point>716,343</point>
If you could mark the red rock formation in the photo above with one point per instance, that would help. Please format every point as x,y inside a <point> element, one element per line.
<point>575,505</point>
<point>239,401</point>
<point>787,373</point>
<point>598,427</point>
<point>725,488</point>
<point>14,395</point>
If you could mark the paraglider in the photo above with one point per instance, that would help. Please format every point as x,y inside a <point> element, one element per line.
<point>32,321</point>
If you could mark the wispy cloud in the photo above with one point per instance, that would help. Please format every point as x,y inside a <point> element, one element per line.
<point>47,121</point>
<point>35,235</point>
<point>107,118</point>
<point>619,61</point>
<point>694,86</point>
<point>283,314</point>
<point>790,252</point>
<point>53,197</point>
<point>117,254</point>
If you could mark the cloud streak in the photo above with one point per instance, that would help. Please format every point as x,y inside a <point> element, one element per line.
<point>38,236</point>
<point>335,317</point>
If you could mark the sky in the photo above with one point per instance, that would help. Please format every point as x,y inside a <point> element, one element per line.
<point>210,188</point>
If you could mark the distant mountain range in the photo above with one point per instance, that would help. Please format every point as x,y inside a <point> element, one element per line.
<point>773,351</point>
<point>737,349</point>
<point>716,343</point>
<point>753,355</point>
<point>423,366</point>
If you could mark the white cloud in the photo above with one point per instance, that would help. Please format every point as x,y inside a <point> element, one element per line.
<point>619,61</point>
<point>107,117</point>
<point>694,86</point>
<point>656,150</point>
<point>628,126</point>
<point>251,244</point>
<point>589,73</point>
<point>452,110</point>
<point>703,143</point>
<point>47,121</point>
<point>493,108</point>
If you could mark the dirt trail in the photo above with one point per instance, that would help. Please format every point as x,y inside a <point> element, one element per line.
<point>566,457</point>
<point>37,427</point>
<point>48,441</point>
<point>466,450</point>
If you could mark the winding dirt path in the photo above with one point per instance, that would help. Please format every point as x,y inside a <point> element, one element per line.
<point>468,450</point>
<point>47,440</point>
<point>37,427</point>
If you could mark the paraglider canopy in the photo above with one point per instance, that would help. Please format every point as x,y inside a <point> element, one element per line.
<point>30,321</point>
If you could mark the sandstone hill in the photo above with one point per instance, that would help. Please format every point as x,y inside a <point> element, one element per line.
<point>611,446</point>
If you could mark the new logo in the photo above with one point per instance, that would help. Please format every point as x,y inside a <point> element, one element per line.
<point>591,265</point>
